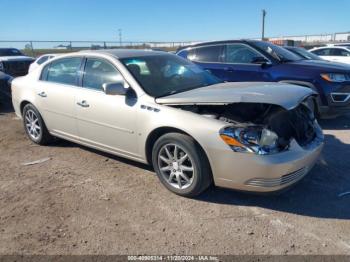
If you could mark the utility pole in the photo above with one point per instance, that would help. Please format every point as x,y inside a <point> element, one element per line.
<point>120,36</point>
<point>263,25</point>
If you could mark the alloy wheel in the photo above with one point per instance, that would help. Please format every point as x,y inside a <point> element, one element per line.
<point>176,166</point>
<point>32,124</point>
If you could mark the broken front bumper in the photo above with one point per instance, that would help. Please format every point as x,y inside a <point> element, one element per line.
<point>263,173</point>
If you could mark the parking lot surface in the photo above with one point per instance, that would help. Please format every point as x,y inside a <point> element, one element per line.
<point>80,201</point>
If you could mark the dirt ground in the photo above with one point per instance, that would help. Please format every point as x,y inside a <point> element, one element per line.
<point>87,202</point>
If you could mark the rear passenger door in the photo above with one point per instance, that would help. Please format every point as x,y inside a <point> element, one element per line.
<point>56,95</point>
<point>210,58</point>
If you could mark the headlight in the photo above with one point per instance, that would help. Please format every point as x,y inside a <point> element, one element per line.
<point>253,139</point>
<point>332,77</point>
<point>2,67</point>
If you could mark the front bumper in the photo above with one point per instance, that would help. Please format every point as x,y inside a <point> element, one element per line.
<point>338,104</point>
<point>337,101</point>
<point>263,173</point>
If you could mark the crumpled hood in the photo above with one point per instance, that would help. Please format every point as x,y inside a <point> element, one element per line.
<point>285,95</point>
<point>16,58</point>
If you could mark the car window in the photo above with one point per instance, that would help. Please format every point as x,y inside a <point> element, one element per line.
<point>44,72</point>
<point>166,74</point>
<point>305,54</point>
<point>207,54</point>
<point>10,52</point>
<point>277,52</point>
<point>322,52</point>
<point>64,71</point>
<point>238,53</point>
<point>98,72</point>
<point>339,52</point>
<point>42,60</point>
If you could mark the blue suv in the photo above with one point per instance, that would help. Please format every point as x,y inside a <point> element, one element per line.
<point>250,60</point>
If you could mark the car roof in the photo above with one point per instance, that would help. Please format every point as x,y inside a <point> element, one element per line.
<point>216,43</point>
<point>123,53</point>
<point>330,47</point>
<point>50,55</point>
<point>8,48</point>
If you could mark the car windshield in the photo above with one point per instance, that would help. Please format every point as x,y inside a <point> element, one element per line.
<point>305,54</point>
<point>166,74</point>
<point>277,52</point>
<point>10,52</point>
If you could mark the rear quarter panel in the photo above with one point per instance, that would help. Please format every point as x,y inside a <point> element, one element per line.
<point>23,90</point>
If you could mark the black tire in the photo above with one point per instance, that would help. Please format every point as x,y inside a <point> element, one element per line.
<point>201,177</point>
<point>311,103</point>
<point>43,137</point>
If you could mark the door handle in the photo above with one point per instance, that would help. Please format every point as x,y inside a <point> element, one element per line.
<point>42,94</point>
<point>83,104</point>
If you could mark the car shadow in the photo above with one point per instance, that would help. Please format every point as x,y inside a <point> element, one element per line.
<point>339,123</point>
<point>317,195</point>
<point>68,144</point>
<point>5,105</point>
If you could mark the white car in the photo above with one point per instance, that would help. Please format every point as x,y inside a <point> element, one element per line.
<point>40,60</point>
<point>333,53</point>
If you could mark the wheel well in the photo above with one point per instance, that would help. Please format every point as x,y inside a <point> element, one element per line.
<point>155,134</point>
<point>23,104</point>
<point>298,82</point>
<point>316,99</point>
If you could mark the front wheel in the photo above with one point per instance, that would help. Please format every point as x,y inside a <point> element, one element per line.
<point>311,103</point>
<point>34,126</point>
<point>181,165</point>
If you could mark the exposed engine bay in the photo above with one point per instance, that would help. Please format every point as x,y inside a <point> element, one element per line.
<point>298,123</point>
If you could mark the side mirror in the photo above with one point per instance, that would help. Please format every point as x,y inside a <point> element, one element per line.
<point>260,60</point>
<point>116,88</point>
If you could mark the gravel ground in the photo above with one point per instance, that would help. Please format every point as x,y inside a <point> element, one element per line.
<point>87,202</point>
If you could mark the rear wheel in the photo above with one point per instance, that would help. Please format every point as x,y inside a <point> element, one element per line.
<point>181,165</point>
<point>34,126</point>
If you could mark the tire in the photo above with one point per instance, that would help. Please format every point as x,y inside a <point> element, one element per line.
<point>34,126</point>
<point>311,103</point>
<point>170,170</point>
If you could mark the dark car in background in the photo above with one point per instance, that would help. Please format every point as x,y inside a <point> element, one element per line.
<point>13,62</point>
<point>251,60</point>
<point>303,53</point>
<point>5,85</point>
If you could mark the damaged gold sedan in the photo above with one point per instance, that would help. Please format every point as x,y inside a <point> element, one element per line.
<point>157,108</point>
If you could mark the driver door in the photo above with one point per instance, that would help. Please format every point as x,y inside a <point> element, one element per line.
<point>106,122</point>
<point>239,66</point>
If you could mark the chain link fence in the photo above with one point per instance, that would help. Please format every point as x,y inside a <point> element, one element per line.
<point>37,48</point>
